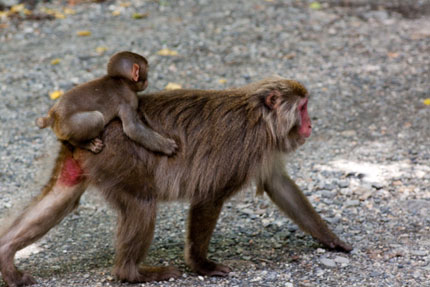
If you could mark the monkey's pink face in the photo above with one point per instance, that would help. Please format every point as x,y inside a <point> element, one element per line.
<point>305,128</point>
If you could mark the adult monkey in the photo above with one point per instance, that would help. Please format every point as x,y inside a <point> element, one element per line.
<point>226,139</point>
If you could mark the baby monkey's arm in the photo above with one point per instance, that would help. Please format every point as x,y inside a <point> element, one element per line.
<point>137,131</point>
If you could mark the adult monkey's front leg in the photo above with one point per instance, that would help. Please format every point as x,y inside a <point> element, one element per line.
<point>291,200</point>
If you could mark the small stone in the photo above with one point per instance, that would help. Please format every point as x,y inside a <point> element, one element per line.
<point>419,252</point>
<point>341,260</point>
<point>377,185</point>
<point>328,262</point>
<point>248,211</point>
<point>256,279</point>
<point>320,250</point>
<point>349,133</point>
<point>266,222</point>
<point>327,193</point>
<point>352,203</point>
<point>272,276</point>
<point>201,278</point>
<point>343,183</point>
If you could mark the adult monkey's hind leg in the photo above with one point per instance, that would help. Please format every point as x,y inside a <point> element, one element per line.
<point>202,220</point>
<point>136,222</point>
<point>59,197</point>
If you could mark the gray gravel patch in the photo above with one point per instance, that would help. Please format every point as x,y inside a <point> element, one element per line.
<point>366,167</point>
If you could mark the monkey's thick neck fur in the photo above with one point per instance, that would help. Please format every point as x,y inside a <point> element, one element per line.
<point>222,135</point>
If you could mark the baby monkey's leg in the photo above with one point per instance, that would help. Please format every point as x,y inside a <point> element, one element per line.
<point>82,130</point>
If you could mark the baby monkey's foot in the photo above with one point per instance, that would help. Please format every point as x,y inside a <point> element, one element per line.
<point>169,147</point>
<point>95,145</point>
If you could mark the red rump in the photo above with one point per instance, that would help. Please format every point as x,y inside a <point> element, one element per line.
<point>71,172</point>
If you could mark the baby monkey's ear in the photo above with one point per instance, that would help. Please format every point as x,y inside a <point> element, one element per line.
<point>135,72</point>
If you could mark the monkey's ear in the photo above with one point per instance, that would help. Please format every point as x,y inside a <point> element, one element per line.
<point>135,72</point>
<point>272,100</point>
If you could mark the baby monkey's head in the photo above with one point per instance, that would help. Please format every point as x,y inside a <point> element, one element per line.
<point>130,66</point>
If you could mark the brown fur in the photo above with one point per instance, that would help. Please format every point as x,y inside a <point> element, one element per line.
<point>227,139</point>
<point>81,114</point>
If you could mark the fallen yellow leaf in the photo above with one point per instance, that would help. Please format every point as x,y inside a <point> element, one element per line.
<point>427,102</point>
<point>222,81</point>
<point>315,5</point>
<point>48,11</point>
<point>84,33</point>
<point>173,86</point>
<point>167,52</point>
<point>17,8</point>
<point>101,49</point>
<point>59,15</point>
<point>139,15</point>
<point>116,13</point>
<point>392,54</point>
<point>69,11</point>
<point>55,61</point>
<point>125,4</point>
<point>3,13</point>
<point>56,94</point>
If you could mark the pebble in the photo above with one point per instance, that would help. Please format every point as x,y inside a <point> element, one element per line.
<point>419,252</point>
<point>351,203</point>
<point>328,262</point>
<point>341,260</point>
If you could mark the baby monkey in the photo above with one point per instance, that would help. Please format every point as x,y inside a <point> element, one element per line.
<point>81,114</point>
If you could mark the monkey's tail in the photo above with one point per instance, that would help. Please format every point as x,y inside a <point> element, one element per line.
<point>43,122</point>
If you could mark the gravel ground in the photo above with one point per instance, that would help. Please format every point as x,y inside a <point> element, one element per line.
<point>366,167</point>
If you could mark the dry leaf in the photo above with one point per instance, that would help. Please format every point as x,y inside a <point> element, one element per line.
<point>427,102</point>
<point>100,50</point>
<point>167,52</point>
<point>116,13</point>
<point>222,81</point>
<point>69,11</point>
<point>289,56</point>
<point>59,15</point>
<point>55,61</point>
<point>173,86</point>
<point>315,5</point>
<point>126,4</point>
<point>393,54</point>
<point>84,33</point>
<point>139,15</point>
<point>56,94</point>
<point>17,8</point>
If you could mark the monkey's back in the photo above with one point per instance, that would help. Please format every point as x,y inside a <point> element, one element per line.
<point>222,137</point>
